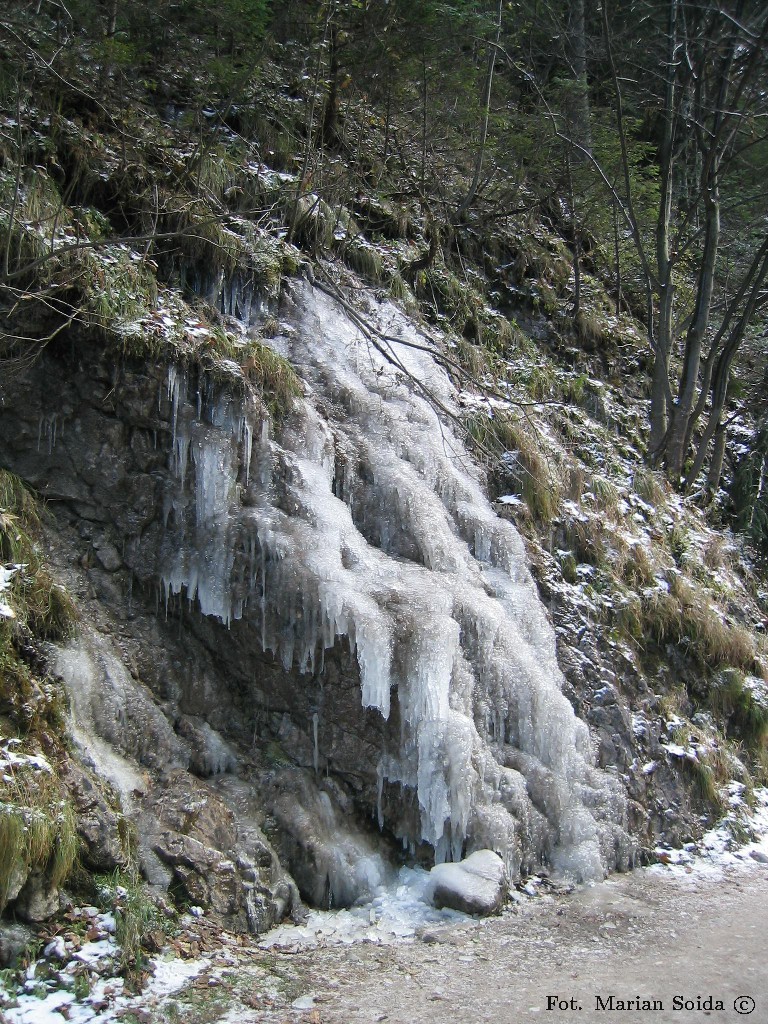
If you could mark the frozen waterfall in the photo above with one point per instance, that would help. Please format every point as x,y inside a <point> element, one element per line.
<point>366,520</point>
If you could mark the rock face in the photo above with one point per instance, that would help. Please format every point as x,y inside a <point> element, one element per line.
<point>326,641</point>
<point>604,679</point>
<point>102,829</point>
<point>476,885</point>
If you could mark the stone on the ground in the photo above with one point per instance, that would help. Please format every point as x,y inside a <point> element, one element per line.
<point>303,1003</point>
<point>37,901</point>
<point>14,940</point>
<point>476,885</point>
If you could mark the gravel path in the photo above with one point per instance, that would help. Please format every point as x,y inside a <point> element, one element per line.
<point>644,936</point>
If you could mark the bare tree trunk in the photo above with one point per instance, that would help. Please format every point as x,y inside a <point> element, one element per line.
<point>716,463</point>
<point>732,327</point>
<point>579,113</point>
<point>576,240</point>
<point>470,197</point>
<point>388,119</point>
<point>660,394</point>
<point>302,178</point>
<point>330,128</point>
<point>708,187</point>
<point>664,265</point>
<point>728,351</point>
<point>424,121</point>
<point>683,409</point>
<point>17,181</point>
<point>616,256</point>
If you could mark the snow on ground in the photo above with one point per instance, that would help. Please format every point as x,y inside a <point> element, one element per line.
<point>395,913</point>
<point>49,991</point>
<point>6,574</point>
<point>105,1002</point>
<point>726,846</point>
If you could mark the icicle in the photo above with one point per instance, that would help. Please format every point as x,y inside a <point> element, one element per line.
<point>315,748</point>
<point>175,378</point>
<point>380,794</point>
<point>46,431</point>
<point>247,431</point>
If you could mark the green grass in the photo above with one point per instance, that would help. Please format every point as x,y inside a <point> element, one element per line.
<point>705,786</point>
<point>136,915</point>
<point>38,209</point>
<point>40,603</point>
<point>732,700</point>
<point>12,849</point>
<point>273,377</point>
<point>363,258</point>
<point>649,486</point>
<point>589,327</point>
<point>37,828</point>
<point>37,822</point>
<point>528,470</point>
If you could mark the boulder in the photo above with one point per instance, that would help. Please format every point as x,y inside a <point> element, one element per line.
<point>15,939</point>
<point>38,900</point>
<point>476,885</point>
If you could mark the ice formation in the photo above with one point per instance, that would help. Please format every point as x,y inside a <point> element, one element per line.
<point>366,520</point>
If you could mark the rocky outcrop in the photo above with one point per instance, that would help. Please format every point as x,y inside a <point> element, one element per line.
<point>203,843</point>
<point>609,690</point>
<point>333,860</point>
<point>103,829</point>
<point>149,707</point>
<point>37,900</point>
<point>234,697</point>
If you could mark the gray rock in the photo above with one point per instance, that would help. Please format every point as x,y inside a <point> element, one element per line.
<point>205,876</point>
<point>14,940</point>
<point>333,862</point>
<point>759,856</point>
<point>476,885</point>
<point>37,901</point>
<point>108,556</point>
<point>109,702</point>
<point>102,829</point>
<point>209,753</point>
<point>16,882</point>
<point>303,1003</point>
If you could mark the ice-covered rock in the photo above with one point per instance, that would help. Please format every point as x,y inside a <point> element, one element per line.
<point>334,863</point>
<point>365,523</point>
<point>210,753</point>
<point>56,948</point>
<point>476,885</point>
<point>340,599</point>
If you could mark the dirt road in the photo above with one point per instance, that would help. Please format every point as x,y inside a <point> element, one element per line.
<point>618,953</point>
